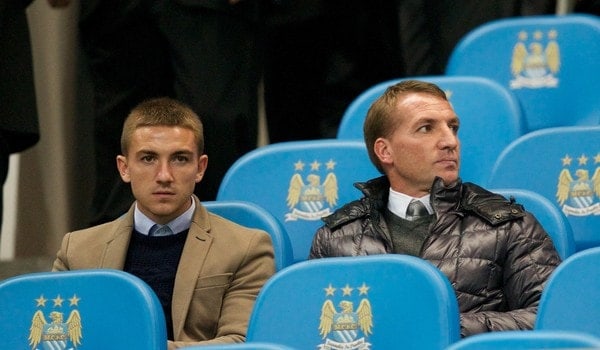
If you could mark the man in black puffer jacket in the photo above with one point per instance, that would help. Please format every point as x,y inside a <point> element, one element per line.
<point>496,255</point>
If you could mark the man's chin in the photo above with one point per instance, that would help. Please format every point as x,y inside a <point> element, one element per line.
<point>448,178</point>
<point>163,210</point>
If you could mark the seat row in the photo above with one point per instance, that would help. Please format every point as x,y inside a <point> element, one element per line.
<point>549,62</point>
<point>381,302</point>
<point>554,173</point>
<point>398,301</point>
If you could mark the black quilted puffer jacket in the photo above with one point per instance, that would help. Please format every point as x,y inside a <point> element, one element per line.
<point>495,254</point>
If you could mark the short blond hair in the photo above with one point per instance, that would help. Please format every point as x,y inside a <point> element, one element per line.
<point>162,111</point>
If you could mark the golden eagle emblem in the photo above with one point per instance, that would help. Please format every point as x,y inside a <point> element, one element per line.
<point>312,199</point>
<point>347,319</point>
<point>577,194</point>
<point>533,64</point>
<point>56,334</point>
<point>347,328</point>
<point>313,191</point>
<point>56,331</point>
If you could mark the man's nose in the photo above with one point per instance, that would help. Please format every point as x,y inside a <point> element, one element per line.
<point>448,138</point>
<point>164,172</point>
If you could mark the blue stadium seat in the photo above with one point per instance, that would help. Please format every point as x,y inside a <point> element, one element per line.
<point>571,298</point>
<point>563,165</point>
<point>549,62</point>
<point>387,301</point>
<point>527,340</point>
<point>82,309</point>
<point>299,182</point>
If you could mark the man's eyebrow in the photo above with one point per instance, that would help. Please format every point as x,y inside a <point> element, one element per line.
<point>428,120</point>
<point>154,153</point>
<point>182,152</point>
<point>146,151</point>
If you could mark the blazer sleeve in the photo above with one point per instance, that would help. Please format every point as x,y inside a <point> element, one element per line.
<point>60,263</point>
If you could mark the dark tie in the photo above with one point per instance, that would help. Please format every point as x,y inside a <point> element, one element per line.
<point>156,231</point>
<point>415,210</point>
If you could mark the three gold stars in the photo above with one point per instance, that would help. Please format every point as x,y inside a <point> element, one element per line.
<point>347,290</point>
<point>582,160</point>
<point>57,301</point>
<point>314,165</point>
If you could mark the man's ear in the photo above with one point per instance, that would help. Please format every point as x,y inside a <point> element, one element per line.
<point>383,150</point>
<point>123,167</point>
<point>202,165</point>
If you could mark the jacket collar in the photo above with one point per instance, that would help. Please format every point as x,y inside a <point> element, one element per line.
<point>458,198</point>
<point>443,198</point>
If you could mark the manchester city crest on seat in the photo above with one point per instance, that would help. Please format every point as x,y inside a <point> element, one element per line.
<point>579,194</point>
<point>346,318</point>
<point>51,331</point>
<point>313,190</point>
<point>535,60</point>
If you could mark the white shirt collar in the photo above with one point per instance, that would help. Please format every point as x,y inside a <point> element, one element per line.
<point>398,203</point>
<point>142,223</point>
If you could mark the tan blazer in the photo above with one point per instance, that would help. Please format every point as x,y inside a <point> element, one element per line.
<point>223,266</point>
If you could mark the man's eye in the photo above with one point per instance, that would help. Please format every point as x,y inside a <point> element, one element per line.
<point>181,159</point>
<point>424,128</point>
<point>147,159</point>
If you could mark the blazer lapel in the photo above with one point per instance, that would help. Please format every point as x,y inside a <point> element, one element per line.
<point>116,247</point>
<point>192,259</point>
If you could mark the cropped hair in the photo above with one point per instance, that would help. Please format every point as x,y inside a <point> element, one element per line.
<point>162,111</point>
<point>381,121</point>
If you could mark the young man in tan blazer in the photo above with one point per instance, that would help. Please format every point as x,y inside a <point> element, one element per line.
<point>206,271</point>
